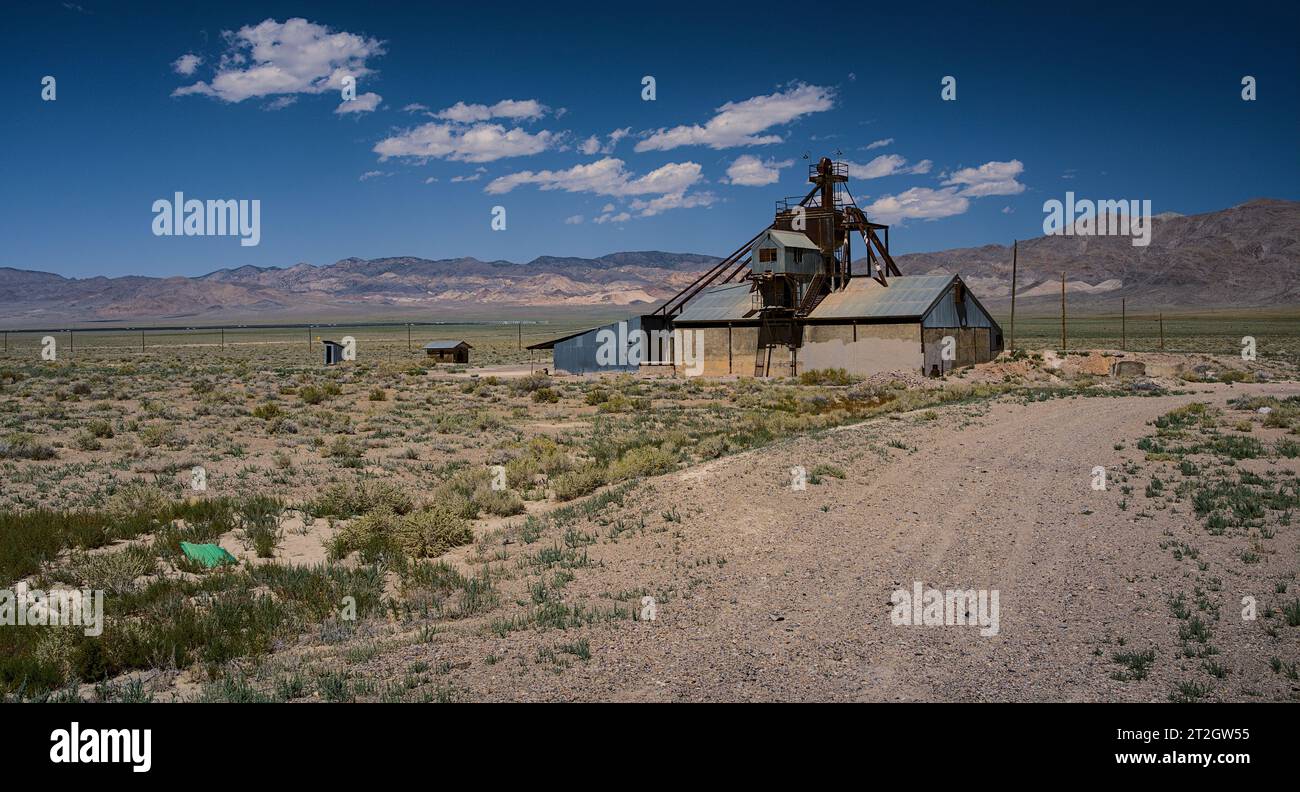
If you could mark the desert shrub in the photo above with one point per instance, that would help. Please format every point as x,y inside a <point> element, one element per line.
<point>353,498</point>
<point>829,376</point>
<point>378,394</point>
<point>577,483</point>
<point>158,435</point>
<point>100,428</point>
<point>545,396</point>
<point>22,445</point>
<point>520,471</point>
<point>533,382</point>
<point>114,573</point>
<point>344,447</point>
<point>310,394</point>
<point>267,410</point>
<point>87,441</point>
<point>137,498</point>
<point>425,533</point>
<point>596,396</point>
<point>502,503</point>
<point>259,516</point>
<point>643,461</point>
<point>712,447</point>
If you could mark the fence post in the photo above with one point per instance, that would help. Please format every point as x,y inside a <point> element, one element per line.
<point>1062,312</point>
<point>1015,246</point>
<point>1162,331</point>
<point>1123,324</point>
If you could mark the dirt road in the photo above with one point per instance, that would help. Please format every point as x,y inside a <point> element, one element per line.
<point>766,593</point>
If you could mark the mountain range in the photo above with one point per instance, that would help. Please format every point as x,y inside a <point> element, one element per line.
<point>1247,256</point>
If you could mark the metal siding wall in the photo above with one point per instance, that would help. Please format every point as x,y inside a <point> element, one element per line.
<point>578,355</point>
<point>944,313</point>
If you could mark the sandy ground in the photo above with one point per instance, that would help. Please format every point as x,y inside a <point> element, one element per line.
<point>773,594</point>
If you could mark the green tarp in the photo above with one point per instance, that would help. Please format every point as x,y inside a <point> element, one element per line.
<point>209,555</point>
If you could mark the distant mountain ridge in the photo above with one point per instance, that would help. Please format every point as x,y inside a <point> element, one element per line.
<point>1247,256</point>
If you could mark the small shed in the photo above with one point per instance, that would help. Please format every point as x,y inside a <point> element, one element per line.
<point>786,252</point>
<point>448,351</point>
<point>333,352</point>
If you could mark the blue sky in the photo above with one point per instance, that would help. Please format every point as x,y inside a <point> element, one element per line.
<point>462,107</point>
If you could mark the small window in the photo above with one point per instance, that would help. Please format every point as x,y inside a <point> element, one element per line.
<point>766,255</point>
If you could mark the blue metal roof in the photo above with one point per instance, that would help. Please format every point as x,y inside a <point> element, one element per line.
<point>729,302</point>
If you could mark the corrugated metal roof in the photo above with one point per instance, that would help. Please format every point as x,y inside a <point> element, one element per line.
<point>444,344</point>
<point>718,304</point>
<point>905,297</point>
<point>793,239</point>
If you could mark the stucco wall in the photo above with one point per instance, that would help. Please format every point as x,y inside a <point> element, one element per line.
<point>879,347</point>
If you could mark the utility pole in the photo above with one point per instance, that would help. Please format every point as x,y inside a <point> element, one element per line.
<point>1123,324</point>
<point>1162,331</point>
<point>520,327</point>
<point>70,347</point>
<point>1015,245</point>
<point>223,338</point>
<point>142,341</point>
<point>408,338</point>
<point>1062,312</point>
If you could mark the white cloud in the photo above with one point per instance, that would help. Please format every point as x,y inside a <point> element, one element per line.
<point>280,102</point>
<point>477,143</point>
<point>365,103</point>
<point>604,177</point>
<point>887,165</point>
<point>295,56</point>
<point>431,180</point>
<point>918,203</point>
<point>592,145</point>
<point>573,220</point>
<point>669,185</point>
<point>515,109</point>
<point>875,144</point>
<point>740,123</point>
<point>368,175</point>
<point>991,178</point>
<point>750,171</point>
<point>415,107</point>
<point>186,64</point>
<point>470,178</point>
<point>677,200</point>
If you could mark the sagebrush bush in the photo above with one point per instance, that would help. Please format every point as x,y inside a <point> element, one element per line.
<point>643,461</point>
<point>353,498</point>
<point>577,483</point>
<point>828,376</point>
<point>137,498</point>
<point>22,445</point>
<point>426,533</point>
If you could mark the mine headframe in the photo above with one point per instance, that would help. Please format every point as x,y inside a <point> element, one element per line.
<point>804,255</point>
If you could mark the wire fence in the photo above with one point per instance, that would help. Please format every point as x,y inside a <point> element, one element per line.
<point>1275,334</point>
<point>492,342</point>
